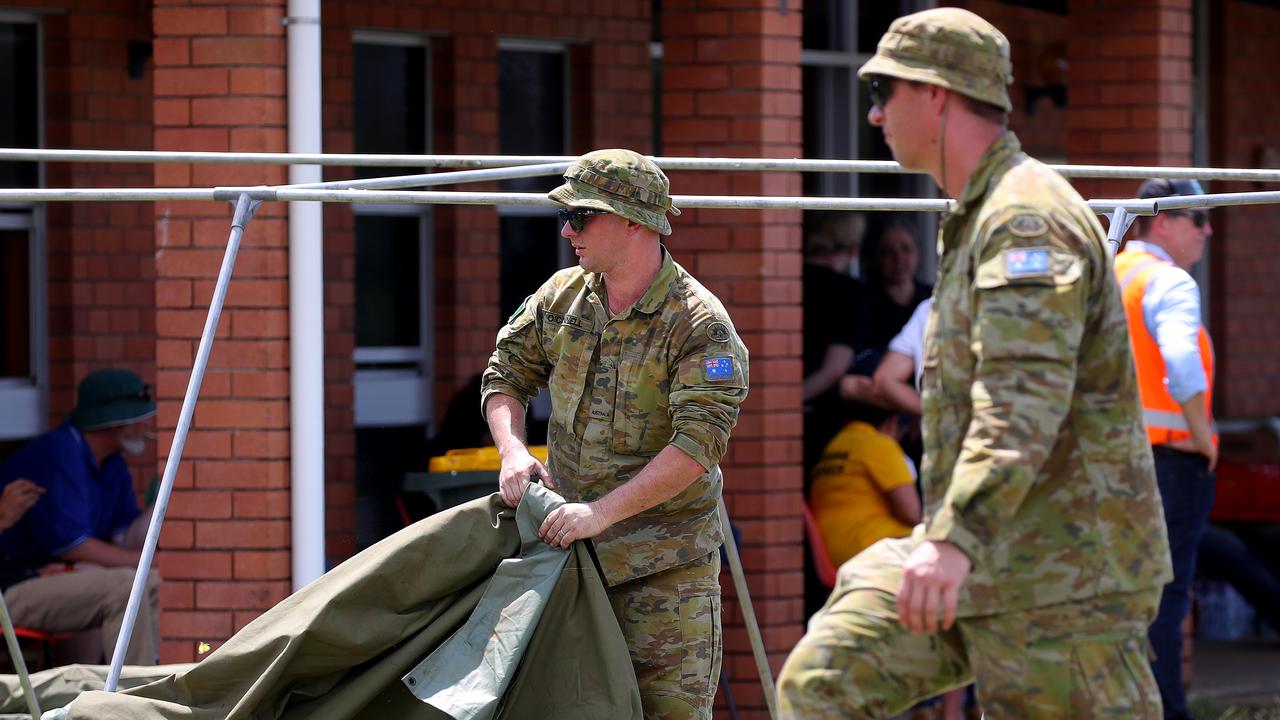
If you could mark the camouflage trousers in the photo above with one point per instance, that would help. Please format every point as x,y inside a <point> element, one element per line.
<point>1084,659</point>
<point>671,623</point>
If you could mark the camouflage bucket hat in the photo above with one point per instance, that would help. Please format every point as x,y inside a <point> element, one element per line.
<point>948,47</point>
<point>621,182</point>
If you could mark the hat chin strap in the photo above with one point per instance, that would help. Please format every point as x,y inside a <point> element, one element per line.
<point>942,143</point>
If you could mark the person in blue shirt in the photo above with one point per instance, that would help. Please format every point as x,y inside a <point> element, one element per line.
<point>69,559</point>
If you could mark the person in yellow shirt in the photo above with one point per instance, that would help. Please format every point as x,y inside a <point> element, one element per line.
<point>863,487</point>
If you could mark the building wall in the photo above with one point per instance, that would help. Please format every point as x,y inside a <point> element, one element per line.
<point>1244,108</point>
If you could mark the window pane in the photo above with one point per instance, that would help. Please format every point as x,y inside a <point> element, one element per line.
<point>531,110</point>
<point>824,24</point>
<point>390,103</point>
<point>388,293</point>
<point>873,20</point>
<point>828,118</point>
<point>15,304</point>
<point>20,110</point>
<point>530,254</point>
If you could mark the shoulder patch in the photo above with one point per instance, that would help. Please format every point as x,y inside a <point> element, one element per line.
<point>1028,225</point>
<point>719,332</point>
<point>718,368</point>
<point>519,310</point>
<point>1026,262</point>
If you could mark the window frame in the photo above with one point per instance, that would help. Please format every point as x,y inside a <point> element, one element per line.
<point>386,371</point>
<point>26,399</point>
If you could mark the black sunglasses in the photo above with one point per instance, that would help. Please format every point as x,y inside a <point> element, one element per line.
<point>1199,218</point>
<point>880,89</point>
<point>577,217</point>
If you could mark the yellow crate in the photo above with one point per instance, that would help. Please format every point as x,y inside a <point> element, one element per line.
<point>471,459</point>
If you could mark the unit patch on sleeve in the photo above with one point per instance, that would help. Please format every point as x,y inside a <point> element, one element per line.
<point>718,332</point>
<point>718,368</point>
<point>1026,262</point>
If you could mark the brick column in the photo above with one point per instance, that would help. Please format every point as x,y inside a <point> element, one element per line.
<point>1130,87</point>
<point>220,85</point>
<point>731,81</point>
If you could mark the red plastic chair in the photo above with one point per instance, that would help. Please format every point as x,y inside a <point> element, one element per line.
<point>818,549</point>
<point>45,641</point>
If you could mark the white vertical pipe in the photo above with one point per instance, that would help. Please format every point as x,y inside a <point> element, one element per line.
<point>306,300</point>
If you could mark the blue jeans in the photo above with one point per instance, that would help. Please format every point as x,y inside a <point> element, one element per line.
<point>1186,489</point>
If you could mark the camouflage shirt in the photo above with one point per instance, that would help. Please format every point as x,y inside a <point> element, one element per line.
<point>669,370</point>
<point>1036,460</point>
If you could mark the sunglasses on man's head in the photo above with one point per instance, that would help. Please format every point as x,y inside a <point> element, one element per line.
<point>577,217</point>
<point>1199,218</point>
<point>880,88</point>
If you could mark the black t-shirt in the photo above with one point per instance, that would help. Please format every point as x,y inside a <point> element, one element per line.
<point>834,313</point>
<point>885,317</point>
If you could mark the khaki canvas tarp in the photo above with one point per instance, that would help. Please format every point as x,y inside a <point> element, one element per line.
<point>341,647</point>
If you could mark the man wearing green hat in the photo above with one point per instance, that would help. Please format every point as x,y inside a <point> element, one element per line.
<point>645,373</point>
<point>1039,563</point>
<point>86,516</point>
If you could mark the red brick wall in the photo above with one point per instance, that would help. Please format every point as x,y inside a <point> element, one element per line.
<point>1037,40</point>
<point>1245,132</point>
<point>731,82</point>
<point>219,85</point>
<point>1130,87</point>
<point>100,261</point>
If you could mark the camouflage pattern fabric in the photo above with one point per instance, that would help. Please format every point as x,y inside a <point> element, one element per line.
<point>671,624</point>
<point>1036,465</point>
<point>1036,461</point>
<point>1080,659</point>
<point>622,182</point>
<point>669,370</point>
<point>950,48</point>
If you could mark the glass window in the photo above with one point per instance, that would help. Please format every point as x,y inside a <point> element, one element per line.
<point>19,113</point>
<point>533,119</point>
<point>390,102</point>
<point>15,304</point>
<point>388,308</point>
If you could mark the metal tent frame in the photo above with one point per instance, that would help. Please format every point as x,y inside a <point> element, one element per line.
<point>488,168</point>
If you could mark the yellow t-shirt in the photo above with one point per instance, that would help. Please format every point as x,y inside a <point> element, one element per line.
<point>858,468</point>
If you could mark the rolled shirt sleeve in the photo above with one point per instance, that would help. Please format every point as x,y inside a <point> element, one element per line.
<point>709,382</point>
<point>519,366</point>
<point>1171,311</point>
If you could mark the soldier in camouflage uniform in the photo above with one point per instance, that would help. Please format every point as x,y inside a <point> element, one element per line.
<point>646,373</point>
<point>1039,564</point>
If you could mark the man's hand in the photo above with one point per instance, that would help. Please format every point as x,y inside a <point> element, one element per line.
<point>931,580</point>
<point>572,521</point>
<point>518,470</point>
<point>17,499</point>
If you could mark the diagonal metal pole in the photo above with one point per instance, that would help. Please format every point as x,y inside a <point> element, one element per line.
<point>245,209</point>
<point>19,662</point>
<point>748,612</point>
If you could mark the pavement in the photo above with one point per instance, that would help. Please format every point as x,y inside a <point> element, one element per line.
<point>1237,672</point>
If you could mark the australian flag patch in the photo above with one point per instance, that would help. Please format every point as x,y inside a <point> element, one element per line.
<point>718,368</point>
<point>1028,261</point>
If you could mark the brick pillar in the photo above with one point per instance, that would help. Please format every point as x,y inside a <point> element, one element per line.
<point>1130,88</point>
<point>731,81</point>
<point>1244,111</point>
<point>101,265</point>
<point>467,239</point>
<point>220,85</point>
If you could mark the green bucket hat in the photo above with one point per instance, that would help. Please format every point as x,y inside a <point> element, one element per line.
<point>621,182</point>
<point>950,48</point>
<point>109,398</point>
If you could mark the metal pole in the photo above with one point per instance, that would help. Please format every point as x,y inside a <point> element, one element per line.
<point>245,209</point>
<point>439,178</point>
<point>19,662</point>
<point>1119,225</point>
<point>748,612</point>
<point>1135,172</point>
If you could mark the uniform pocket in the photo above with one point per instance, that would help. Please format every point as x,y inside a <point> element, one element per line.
<point>700,634</point>
<point>643,424</point>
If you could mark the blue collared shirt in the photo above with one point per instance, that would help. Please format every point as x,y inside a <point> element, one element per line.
<point>1171,311</point>
<point>82,500</point>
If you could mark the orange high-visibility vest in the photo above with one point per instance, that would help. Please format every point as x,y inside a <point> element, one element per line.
<point>1165,421</point>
